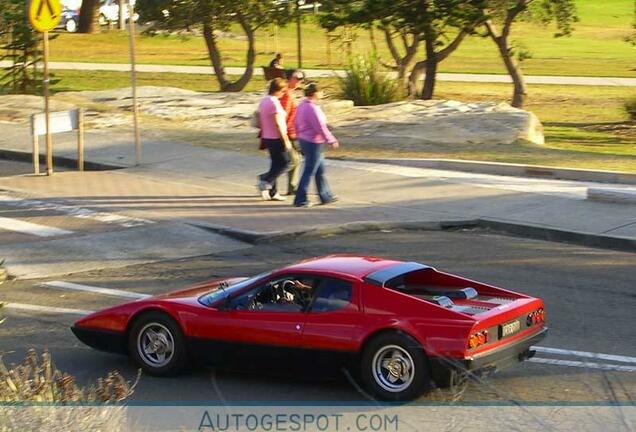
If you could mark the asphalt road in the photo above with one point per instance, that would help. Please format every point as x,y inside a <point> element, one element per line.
<point>590,297</point>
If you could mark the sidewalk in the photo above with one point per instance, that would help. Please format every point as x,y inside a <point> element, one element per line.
<point>320,73</point>
<point>179,182</point>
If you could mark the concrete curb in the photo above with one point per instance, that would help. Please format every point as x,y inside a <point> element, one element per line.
<point>514,170</point>
<point>247,236</point>
<point>60,161</point>
<point>501,227</point>
<point>611,195</point>
<point>369,226</point>
<point>561,236</point>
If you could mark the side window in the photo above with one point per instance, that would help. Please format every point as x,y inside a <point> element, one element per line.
<point>283,294</point>
<point>332,294</point>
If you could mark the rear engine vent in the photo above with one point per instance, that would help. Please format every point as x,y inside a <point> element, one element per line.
<point>497,300</point>
<point>457,294</point>
<point>442,301</point>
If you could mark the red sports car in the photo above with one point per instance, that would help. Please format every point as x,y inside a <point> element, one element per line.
<point>402,324</point>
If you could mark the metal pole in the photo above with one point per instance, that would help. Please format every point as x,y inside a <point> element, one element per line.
<point>298,36</point>
<point>133,79</point>
<point>49,142</point>
<point>80,139</point>
<point>36,147</point>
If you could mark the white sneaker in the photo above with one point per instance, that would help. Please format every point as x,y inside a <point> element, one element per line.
<point>265,195</point>
<point>278,197</point>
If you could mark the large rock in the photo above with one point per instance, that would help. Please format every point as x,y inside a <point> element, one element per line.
<point>447,122</point>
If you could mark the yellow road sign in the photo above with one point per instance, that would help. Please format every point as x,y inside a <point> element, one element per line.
<point>44,15</point>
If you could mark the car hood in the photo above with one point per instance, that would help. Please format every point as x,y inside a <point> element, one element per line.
<point>199,289</point>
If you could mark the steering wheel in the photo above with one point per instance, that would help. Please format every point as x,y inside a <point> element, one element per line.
<point>300,297</point>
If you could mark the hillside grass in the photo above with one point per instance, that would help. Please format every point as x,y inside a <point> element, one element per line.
<point>585,127</point>
<point>596,48</point>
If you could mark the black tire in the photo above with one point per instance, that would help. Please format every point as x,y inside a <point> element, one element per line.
<point>168,334</point>
<point>385,347</point>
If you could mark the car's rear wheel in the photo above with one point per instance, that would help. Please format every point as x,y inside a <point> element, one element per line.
<point>156,343</point>
<point>71,26</point>
<point>394,367</point>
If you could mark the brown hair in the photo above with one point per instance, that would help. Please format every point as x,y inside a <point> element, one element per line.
<point>276,85</point>
<point>311,89</point>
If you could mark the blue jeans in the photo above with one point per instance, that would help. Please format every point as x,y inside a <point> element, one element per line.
<point>279,162</point>
<point>314,167</point>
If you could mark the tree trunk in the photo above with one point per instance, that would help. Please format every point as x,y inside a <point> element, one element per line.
<point>123,7</point>
<point>519,92</point>
<point>402,63</point>
<point>430,66</point>
<point>217,62</point>
<point>89,17</point>
<point>430,77</point>
<point>415,77</point>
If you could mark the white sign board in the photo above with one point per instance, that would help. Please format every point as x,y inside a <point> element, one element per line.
<point>61,121</point>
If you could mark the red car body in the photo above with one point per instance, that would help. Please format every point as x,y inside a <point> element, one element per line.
<point>457,322</point>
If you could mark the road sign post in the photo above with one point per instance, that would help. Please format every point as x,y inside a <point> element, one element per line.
<point>47,113</point>
<point>44,15</point>
<point>133,81</point>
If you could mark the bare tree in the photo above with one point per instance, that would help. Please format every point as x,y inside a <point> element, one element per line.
<point>502,14</point>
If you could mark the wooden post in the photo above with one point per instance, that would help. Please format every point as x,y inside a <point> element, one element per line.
<point>49,142</point>
<point>133,79</point>
<point>80,139</point>
<point>36,147</point>
<point>299,45</point>
<point>328,49</point>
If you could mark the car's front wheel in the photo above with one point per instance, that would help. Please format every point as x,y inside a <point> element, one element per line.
<point>156,343</point>
<point>394,367</point>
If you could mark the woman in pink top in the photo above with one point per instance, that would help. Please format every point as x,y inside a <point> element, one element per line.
<point>274,135</point>
<point>312,132</point>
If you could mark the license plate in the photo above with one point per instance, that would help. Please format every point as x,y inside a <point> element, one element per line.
<point>510,328</point>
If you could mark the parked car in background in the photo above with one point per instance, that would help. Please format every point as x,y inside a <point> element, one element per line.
<point>109,12</point>
<point>69,20</point>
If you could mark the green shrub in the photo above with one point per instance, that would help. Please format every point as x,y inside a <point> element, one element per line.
<point>630,108</point>
<point>366,83</point>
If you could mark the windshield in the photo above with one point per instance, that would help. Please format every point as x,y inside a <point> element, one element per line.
<point>216,295</point>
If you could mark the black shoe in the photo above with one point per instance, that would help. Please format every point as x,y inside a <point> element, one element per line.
<point>304,205</point>
<point>333,199</point>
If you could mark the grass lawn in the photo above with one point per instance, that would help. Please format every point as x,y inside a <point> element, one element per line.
<point>596,48</point>
<point>585,127</point>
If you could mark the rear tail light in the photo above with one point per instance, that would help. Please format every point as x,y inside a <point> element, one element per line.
<point>536,317</point>
<point>478,339</point>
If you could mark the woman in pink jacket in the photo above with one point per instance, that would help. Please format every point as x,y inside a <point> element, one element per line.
<point>313,134</point>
